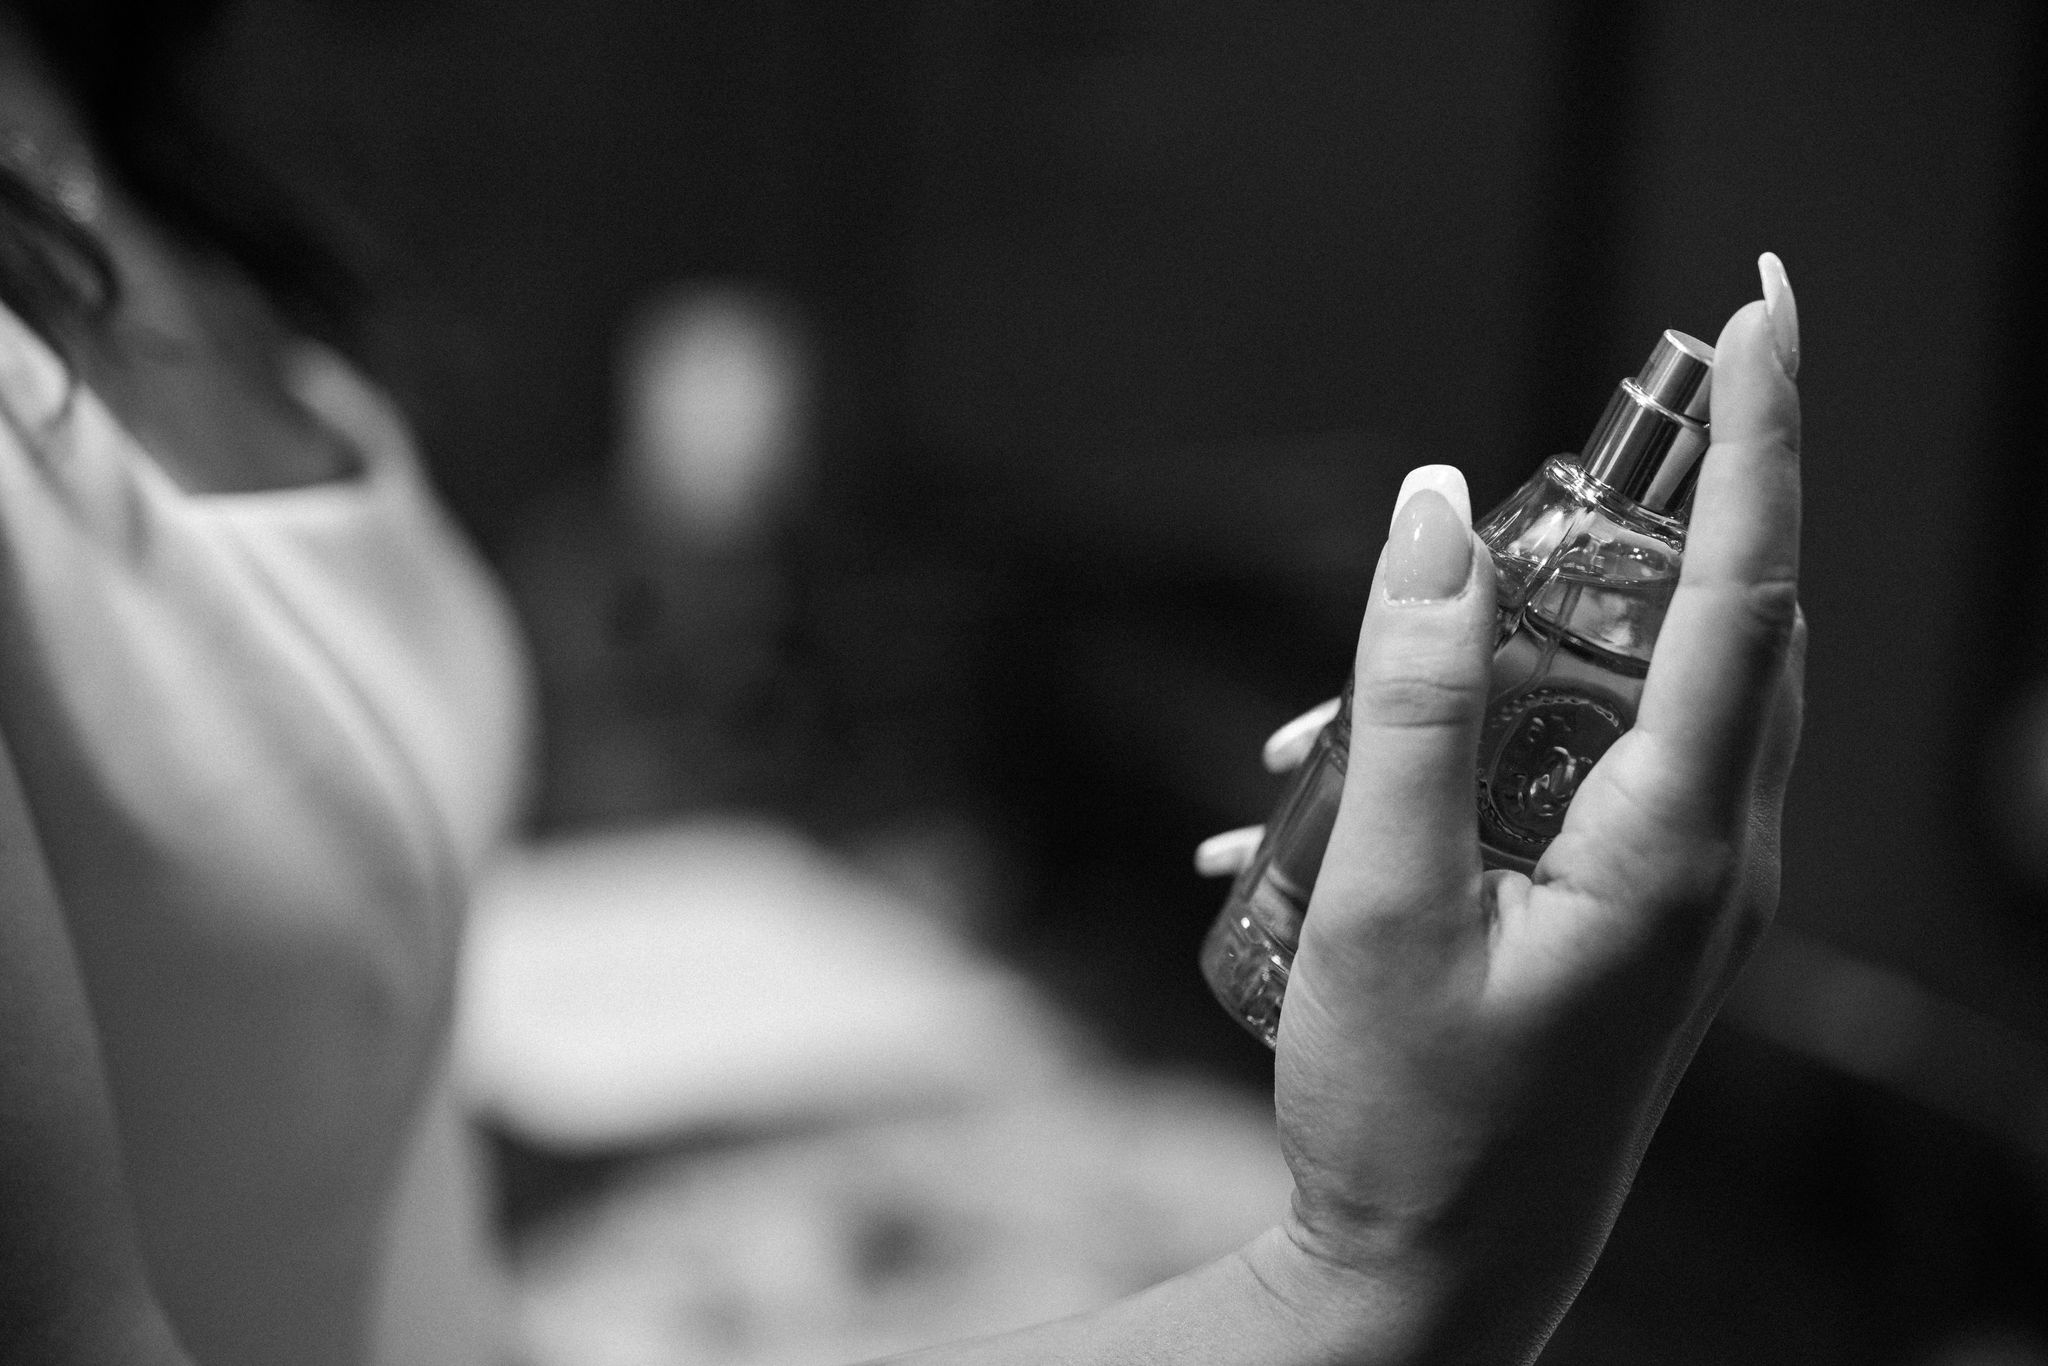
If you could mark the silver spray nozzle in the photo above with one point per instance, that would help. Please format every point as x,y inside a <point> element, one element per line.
<point>1648,444</point>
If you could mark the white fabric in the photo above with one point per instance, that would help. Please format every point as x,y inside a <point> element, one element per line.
<point>716,975</point>
<point>161,612</point>
<point>266,739</point>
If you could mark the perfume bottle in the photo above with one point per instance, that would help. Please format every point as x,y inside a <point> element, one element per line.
<point>1586,555</point>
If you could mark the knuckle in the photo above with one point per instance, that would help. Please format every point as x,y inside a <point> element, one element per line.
<point>1416,700</point>
<point>1772,610</point>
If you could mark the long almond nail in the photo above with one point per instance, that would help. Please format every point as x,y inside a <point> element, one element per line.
<point>1783,311</point>
<point>1429,552</point>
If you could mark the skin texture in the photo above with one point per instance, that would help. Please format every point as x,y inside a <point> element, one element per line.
<point>242,899</point>
<point>1471,1064</point>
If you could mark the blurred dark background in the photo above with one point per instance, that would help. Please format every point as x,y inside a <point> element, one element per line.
<point>1124,320</point>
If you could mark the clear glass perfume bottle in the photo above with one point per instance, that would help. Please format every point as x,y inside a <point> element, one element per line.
<point>1586,555</point>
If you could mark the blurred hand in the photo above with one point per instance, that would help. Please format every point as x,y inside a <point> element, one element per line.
<point>1470,1063</point>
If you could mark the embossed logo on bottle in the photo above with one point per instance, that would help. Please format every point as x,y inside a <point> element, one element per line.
<point>1537,749</point>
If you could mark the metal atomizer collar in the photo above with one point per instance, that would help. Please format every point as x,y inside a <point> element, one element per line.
<point>1648,444</point>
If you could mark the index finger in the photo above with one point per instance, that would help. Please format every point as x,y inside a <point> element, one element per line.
<point>1719,656</point>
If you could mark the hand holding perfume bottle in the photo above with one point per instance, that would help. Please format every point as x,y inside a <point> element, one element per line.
<point>1585,557</point>
<point>1472,1057</point>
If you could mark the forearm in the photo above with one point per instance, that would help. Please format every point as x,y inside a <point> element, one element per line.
<point>1481,1279</point>
<point>1267,1304</point>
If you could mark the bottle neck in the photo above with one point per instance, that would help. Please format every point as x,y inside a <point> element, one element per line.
<point>1569,473</point>
<point>1644,452</point>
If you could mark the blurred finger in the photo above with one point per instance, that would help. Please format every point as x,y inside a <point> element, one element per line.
<point>1788,714</point>
<point>1226,855</point>
<point>1774,767</point>
<point>1288,746</point>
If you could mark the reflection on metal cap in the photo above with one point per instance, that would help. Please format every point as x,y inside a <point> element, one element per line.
<point>1648,445</point>
<point>1679,375</point>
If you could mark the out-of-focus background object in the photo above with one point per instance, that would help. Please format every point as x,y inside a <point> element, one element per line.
<point>714,398</point>
<point>631,986</point>
<point>932,444</point>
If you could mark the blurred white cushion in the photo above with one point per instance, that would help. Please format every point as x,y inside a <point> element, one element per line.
<point>626,987</point>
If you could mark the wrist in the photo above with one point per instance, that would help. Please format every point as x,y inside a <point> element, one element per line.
<point>1385,1305</point>
<point>1414,1295</point>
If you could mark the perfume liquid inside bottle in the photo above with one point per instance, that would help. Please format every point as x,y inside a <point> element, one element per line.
<point>1586,556</point>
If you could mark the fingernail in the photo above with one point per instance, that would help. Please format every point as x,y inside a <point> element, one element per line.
<point>1447,480</point>
<point>1229,851</point>
<point>1429,552</point>
<point>1290,744</point>
<point>1783,311</point>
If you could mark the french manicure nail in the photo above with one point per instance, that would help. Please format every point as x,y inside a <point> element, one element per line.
<point>1783,311</point>
<point>1445,479</point>
<point>1429,552</point>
